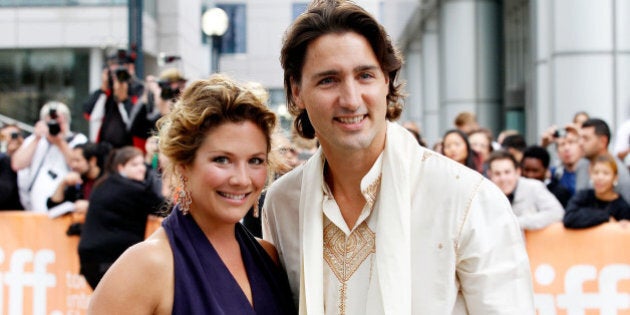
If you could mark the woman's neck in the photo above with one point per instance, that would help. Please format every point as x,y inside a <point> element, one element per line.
<point>607,195</point>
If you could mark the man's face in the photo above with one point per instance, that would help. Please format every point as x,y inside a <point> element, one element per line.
<point>569,149</point>
<point>590,142</point>
<point>533,168</point>
<point>344,91</point>
<point>504,174</point>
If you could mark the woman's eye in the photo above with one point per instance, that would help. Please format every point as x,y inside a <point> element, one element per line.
<point>221,160</point>
<point>257,161</point>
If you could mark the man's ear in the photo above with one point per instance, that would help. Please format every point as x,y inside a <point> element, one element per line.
<point>295,94</point>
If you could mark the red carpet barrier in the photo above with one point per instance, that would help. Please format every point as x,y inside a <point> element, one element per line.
<point>574,272</point>
<point>581,271</point>
<point>39,266</point>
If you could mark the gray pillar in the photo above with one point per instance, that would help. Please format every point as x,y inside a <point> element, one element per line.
<point>470,56</point>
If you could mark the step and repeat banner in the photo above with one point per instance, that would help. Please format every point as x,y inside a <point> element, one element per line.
<point>574,272</point>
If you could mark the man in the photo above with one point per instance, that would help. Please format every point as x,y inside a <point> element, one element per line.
<point>570,154</point>
<point>535,165</point>
<point>43,159</point>
<point>515,144</point>
<point>534,205</point>
<point>109,108</point>
<point>87,165</point>
<point>373,223</point>
<point>594,141</point>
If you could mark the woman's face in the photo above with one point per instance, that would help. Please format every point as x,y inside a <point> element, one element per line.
<point>455,148</point>
<point>603,177</point>
<point>480,144</point>
<point>228,172</point>
<point>134,168</point>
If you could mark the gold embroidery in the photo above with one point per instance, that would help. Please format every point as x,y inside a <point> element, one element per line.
<point>370,192</point>
<point>344,255</point>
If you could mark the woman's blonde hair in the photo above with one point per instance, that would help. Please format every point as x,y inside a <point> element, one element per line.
<point>204,105</point>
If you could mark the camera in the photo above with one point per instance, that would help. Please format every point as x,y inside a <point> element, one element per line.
<point>168,93</point>
<point>15,135</point>
<point>559,133</point>
<point>53,125</point>
<point>122,74</point>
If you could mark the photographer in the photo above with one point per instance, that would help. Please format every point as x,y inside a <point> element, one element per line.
<point>108,109</point>
<point>157,101</point>
<point>43,159</point>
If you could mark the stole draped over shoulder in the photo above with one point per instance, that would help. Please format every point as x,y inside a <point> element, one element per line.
<point>204,285</point>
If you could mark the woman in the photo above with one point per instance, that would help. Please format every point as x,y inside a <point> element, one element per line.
<point>594,206</point>
<point>455,145</point>
<point>202,260</point>
<point>117,213</point>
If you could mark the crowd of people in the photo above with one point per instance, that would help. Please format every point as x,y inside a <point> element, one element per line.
<point>336,218</point>
<point>561,178</point>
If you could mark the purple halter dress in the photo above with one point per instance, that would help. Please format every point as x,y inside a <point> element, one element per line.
<point>203,284</point>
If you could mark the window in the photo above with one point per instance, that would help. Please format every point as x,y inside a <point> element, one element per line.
<point>298,8</point>
<point>234,41</point>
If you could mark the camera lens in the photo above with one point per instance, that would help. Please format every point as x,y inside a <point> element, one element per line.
<point>53,127</point>
<point>14,135</point>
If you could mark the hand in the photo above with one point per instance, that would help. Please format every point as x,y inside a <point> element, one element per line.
<point>41,129</point>
<point>547,137</point>
<point>105,79</point>
<point>81,207</point>
<point>72,179</point>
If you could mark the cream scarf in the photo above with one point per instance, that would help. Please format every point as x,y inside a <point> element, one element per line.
<point>393,243</point>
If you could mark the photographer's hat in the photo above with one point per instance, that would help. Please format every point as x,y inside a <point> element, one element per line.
<point>172,75</point>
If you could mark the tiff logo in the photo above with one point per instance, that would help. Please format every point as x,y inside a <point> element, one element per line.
<point>17,279</point>
<point>574,300</point>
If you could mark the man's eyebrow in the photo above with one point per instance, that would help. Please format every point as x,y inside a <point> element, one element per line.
<point>336,72</point>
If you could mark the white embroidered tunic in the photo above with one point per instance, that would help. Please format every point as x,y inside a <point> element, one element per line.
<point>349,253</point>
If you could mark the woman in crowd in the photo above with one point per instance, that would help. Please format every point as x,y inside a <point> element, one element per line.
<point>117,213</point>
<point>202,260</point>
<point>597,205</point>
<point>455,145</point>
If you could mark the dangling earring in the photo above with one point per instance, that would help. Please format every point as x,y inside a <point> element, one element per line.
<point>183,196</point>
<point>256,211</point>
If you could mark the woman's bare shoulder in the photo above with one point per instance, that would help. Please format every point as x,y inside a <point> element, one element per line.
<point>139,282</point>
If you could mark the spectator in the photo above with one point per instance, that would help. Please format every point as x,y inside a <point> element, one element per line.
<point>481,142</point>
<point>415,131</point>
<point>109,108</point>
<point>217,139</point>
<point>570,154</point>
<point>593,206</point>
<point>534,206</point>
<point>502,135</point>
<point>87,164</point>
<point>594,141</point>
<point>157,101</point>
<point>580,117</point>
<point>622,143</point>
<point>434,236</point>
<point>456,147</point>
<point>42,161</point>
<point>9,196</point>
<point>117,214</point>
<point>11,138</point>
<point>466,122</point>
<point>535,165</point>
<point>515,144</point>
